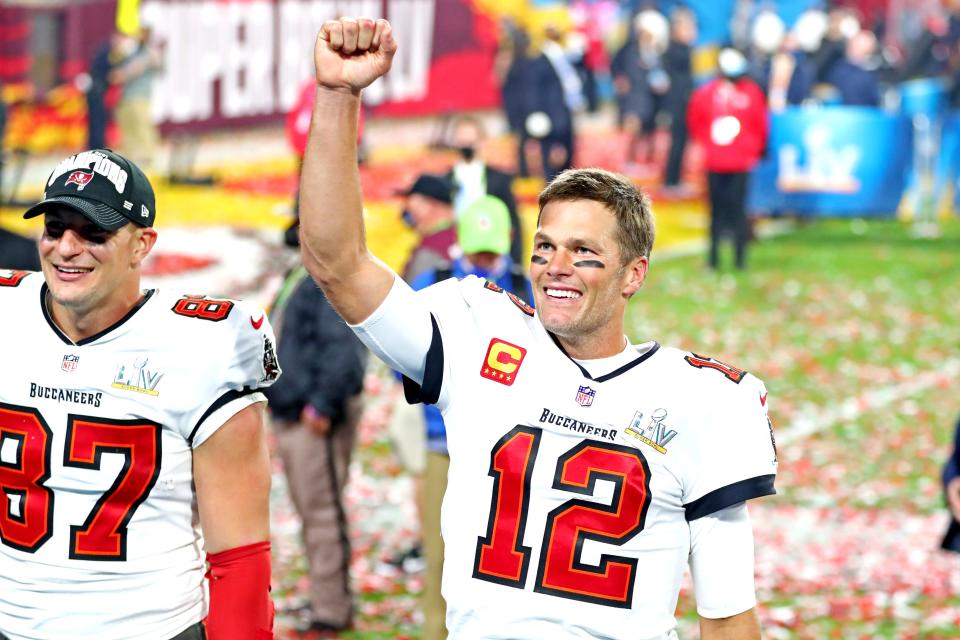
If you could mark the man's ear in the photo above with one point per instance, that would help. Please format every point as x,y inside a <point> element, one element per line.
<point>144,240</point>
<point>635,273</point>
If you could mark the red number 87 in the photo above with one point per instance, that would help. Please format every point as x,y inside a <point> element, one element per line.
<point>26,515</point>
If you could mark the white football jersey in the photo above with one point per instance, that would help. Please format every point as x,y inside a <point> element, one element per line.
<point>99,525</point>
<point>569,496</point>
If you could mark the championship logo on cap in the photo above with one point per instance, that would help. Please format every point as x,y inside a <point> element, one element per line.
<point>103,186</point>
<point>79,178</point>
<point>502,362</point>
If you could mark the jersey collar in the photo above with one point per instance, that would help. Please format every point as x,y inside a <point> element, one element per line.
<point>613,374</point>
<point>66,339</point>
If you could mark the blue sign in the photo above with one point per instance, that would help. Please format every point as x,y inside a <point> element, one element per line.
<point>833,161</point>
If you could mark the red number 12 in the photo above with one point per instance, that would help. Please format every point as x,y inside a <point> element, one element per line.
<point>500,556</point>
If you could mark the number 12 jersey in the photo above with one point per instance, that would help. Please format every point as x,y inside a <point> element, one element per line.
<point>569,496</point>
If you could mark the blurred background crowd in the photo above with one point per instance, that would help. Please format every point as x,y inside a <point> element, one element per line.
<point>163,72</point>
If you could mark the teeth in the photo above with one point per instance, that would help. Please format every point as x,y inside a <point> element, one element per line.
<point>562,293</point>
<point>72,270</point>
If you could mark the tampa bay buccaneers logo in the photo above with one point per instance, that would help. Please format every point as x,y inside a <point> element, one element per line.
<point>79,178</point>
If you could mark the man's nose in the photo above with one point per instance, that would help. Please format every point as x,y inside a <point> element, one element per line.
<point>70,243</point>
<point>561,262</point>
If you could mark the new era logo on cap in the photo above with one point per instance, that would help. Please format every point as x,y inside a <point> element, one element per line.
<point>103,186</point>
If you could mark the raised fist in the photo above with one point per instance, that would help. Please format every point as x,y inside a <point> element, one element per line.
<point>350,53</point>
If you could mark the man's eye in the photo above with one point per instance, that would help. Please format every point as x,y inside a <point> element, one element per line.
<point>94,235</point>
<point>54,230</point>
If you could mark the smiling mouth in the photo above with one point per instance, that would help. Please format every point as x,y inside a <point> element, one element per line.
<point>72,270</point>
<point>562,293</point>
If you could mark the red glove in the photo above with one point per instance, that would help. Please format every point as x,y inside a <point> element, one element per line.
<point>240,604</point>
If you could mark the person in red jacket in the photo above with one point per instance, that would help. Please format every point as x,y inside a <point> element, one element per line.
<point>728,117</point>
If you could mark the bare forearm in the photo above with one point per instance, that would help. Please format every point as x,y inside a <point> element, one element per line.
<point>743,626</point>
<point>231,473</point>
<point>331,208</point>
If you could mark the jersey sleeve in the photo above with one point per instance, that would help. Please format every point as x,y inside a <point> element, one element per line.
<point>242,360</point>
<point>734,458</point>
<point>449,309</point>
<point>721,562</point>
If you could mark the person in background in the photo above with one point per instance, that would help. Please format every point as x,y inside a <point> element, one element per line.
<point>767,33</point>
<point>594,63</point>
<point>554,94</point>
<point>472,178</point>
<point>792,71</point>
<point>842,24</point>
<point>728,117</point>
<point>315,411</point>
<point>678,65</point>
<point>484,236</point>
<point>855,76</point>
<point>98,114</point>
<point>510,65</point>
<point>641,82</point>
<point>951,494</point>
<point>429,210</point>
<point>135,71</point>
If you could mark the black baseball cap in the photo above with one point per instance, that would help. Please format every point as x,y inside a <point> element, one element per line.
<point>103,186</point>
<point>432,186</point>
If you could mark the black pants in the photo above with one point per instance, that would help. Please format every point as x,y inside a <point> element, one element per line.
<point>728,214</point>
<point>678,143</point>
<point>196,632</point>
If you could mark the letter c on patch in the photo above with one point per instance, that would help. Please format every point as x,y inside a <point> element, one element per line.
<point>504,357</point>
<point>502,361</point>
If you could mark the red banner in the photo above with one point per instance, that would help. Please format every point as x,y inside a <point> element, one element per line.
<point>234,63</point>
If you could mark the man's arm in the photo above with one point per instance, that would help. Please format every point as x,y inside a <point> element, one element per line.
<point>231,471</point>
<point>348,55</point>
<point>743,626</point>
<point>721,563</point>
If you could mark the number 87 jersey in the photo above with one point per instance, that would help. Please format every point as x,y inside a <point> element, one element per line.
<point>98,522</point>
<point>570,496</point>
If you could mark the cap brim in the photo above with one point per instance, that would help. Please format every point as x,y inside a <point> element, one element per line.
<point>99,214</point>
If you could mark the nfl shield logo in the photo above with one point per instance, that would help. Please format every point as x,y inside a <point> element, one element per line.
<point>585,396</point>
<point>69,362</point>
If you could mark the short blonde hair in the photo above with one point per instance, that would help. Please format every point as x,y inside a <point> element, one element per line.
<point>630,205</point>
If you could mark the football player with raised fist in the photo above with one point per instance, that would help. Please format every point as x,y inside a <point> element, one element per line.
<point>586,472</point>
